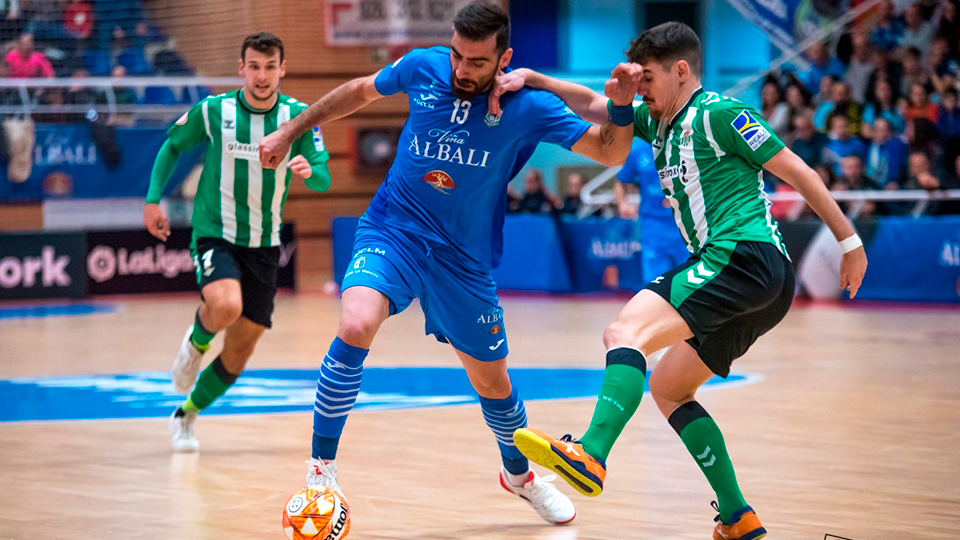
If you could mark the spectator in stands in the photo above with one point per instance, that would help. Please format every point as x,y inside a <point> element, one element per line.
<point>882,105</point>
<point>884,69</point>
<point>798,99</point>
<point>571,202</point>
<point>941,65</point>
<point>45,18</point>
<point>860,66</point>
<point>842,105</point>
<point>123,95</point>
<point>536,198</point>
<point>823,92</point>
<point>919,105</point>
<point>821,64</point>
<point>917,32</point>
<point>886,34</point>
<point>886,156</point>
<point>922,176</point>
<point>948,114</point>
<point>852,178</point>
<point>949,28</point>
<point>808,143</point>
<point>126,52</point>
<point>842,144</point>
<point>25,62</point>
<point>914,72</point>
<point>78,19</point>
<point>773,108</point>
<point>12,23</point>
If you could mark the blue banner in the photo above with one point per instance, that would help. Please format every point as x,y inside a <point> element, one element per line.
<point>91,161</point>
<point>916,260</point>
<point>603,254</point>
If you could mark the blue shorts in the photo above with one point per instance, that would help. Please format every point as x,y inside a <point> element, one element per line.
<point>460,305</point>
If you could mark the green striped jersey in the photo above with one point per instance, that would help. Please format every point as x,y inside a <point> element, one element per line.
<point>710,158</point>
<point>237,200</point>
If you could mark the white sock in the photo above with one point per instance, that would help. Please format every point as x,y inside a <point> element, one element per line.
<point>518,480</point>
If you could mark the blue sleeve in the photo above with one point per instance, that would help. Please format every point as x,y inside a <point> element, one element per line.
<point>629,174</point>
<point>397,76</point>
<point>554,122</point>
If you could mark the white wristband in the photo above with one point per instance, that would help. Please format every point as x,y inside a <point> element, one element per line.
<point>851,243</point>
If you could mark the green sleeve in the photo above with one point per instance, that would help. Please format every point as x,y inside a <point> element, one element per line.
<point>189,130</point>
<point>741,131</point>
<point>310,146</point>
<point>163,169</point>
<point>643,127</point>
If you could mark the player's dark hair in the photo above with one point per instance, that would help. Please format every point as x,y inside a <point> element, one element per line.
<point>479,20</point>
<point>665,44</point>
<point>263,42</point>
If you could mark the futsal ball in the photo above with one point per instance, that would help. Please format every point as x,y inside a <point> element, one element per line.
<point>320,514</point>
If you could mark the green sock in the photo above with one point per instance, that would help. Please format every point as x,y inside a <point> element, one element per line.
<point>201,337</point>
<point>620,394</point>
<point>211,384</point>
<point>703,439</point>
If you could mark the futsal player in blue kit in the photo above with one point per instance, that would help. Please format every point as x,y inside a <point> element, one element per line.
<point>662,248</point>
<point>434,229</point>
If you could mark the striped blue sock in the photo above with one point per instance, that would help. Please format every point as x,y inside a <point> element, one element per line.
<point>504,416</point>
<point>337,389</point>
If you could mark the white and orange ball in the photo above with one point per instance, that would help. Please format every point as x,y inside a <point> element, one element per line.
<point>316,514</point>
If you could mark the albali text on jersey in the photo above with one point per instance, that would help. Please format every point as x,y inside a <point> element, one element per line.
<point>448,182</point>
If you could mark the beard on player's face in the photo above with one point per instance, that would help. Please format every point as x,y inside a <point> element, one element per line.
<point>467,89</point>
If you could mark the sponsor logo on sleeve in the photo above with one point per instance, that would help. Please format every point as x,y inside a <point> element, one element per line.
<point>750,129</point>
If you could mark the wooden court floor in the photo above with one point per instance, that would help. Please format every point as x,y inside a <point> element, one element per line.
<point>854,431</point>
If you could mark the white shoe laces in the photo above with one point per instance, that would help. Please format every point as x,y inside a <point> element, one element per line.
<point>321,474</point>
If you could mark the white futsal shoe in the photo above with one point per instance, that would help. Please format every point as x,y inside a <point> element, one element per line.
<point>181,431</point>
<point>321,475</point>
<point>186,364</point>
<point>552,505</point>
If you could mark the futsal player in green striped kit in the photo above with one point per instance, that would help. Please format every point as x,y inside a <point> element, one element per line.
<point>710,152</point>
<point>237,215</point>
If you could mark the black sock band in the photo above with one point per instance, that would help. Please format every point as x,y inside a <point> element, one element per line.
<point>686,413</point>
<point>222,373</point>
<point>627,357</point>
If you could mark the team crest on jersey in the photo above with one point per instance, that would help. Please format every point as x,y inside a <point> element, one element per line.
<point>440,181</point>
<point>492,120</point>
<point>750,129</point>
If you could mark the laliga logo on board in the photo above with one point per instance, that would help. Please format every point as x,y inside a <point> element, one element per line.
<point>440,181</point>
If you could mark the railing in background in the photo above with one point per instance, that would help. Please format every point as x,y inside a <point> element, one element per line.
<point>107,85</point>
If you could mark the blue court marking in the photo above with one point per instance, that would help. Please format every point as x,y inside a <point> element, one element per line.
<point>151,395</point>
<point>53,310</point>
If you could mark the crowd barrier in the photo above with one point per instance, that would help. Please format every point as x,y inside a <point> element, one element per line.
<point>909,259</point>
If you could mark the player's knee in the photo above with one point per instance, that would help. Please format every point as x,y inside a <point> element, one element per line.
<point>617,335</point>
<point>224,309</point>
<point>666,396</point>
<point>493,386</point>
<point>358,330</point>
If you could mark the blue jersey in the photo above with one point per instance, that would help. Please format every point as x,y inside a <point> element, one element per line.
<point>640,170</point>
<point>448,183</point>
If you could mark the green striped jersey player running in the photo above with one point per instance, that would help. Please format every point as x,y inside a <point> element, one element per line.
<point>710,152</point>
<point>237,216</point>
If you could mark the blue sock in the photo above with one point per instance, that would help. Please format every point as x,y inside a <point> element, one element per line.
<point>337,389</point>
<point>504,416</point>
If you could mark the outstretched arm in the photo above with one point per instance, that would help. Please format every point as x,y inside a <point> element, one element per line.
<point>342,101</point>
<point>805,180</point>
<point>588,104</point>
<point>610,142</point>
